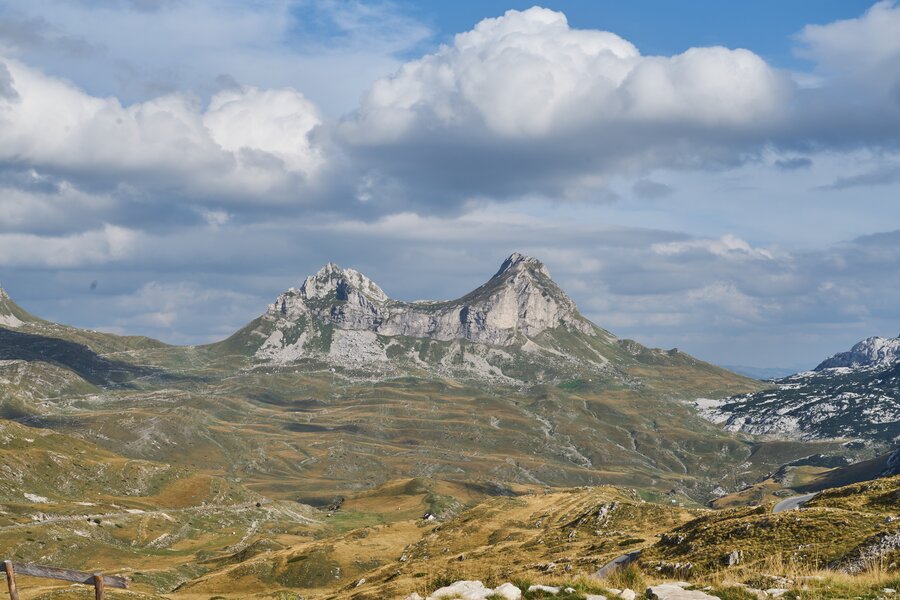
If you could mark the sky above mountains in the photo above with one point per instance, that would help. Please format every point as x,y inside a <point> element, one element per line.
<point>722,178</point>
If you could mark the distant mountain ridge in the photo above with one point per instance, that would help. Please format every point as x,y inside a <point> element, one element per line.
<point>761,373</point>
<point>850,395</point>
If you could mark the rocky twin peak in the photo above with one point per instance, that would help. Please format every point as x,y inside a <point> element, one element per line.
<point>519,300</point>
<point>519,325</point>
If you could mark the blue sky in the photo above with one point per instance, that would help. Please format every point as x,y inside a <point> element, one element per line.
<point>659,27</point>
<point>720,177</point>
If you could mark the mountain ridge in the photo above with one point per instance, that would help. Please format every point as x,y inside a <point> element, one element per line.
<point>851,395</point>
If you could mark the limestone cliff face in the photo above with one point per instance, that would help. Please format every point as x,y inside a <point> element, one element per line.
<point>519,300</point>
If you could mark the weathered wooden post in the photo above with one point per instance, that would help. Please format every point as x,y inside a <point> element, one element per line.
<point>11,580</point>
<point>98,586</point>
<point>99,580</point>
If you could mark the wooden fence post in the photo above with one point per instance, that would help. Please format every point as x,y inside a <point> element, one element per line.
<point>11,580</point>
<point>98,586</point>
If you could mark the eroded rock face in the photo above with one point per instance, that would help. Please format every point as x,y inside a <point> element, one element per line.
<point>520,299</point>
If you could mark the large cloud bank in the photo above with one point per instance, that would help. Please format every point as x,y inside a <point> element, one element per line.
<point>246,141</point>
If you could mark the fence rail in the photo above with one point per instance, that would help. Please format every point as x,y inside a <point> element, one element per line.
<point>98,580</point>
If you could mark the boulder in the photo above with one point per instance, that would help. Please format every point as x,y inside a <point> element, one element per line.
<point>669,591</point>
<point>463,590</point>
<point>508,591</point>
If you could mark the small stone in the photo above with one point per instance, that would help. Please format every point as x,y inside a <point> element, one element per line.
<point>360,582</point>
<point>777,592</point>
<point>628,594</point>
<point>414,596</point>
<point>889,591</point>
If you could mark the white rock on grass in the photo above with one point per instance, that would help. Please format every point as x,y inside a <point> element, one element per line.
<point>414,596</point>
<point>463,590</point>
<point>627,594</point>
<point>777,592</point>
<point>543,588</point>
<point>508,591</point>
<point>670,591</point>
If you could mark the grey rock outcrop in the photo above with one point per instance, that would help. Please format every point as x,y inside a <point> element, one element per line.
<point>520,299</point>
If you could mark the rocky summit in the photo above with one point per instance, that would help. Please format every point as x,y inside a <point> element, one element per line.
<point>520,300</point>
<point>518,322</point>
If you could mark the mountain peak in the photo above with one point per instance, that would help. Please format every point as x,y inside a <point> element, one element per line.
<point>517,261</point>
<point>871,351</point>
<point>341,311</point>
<point>332,279</point>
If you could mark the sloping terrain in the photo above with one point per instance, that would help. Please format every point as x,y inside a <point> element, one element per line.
<point>564,537</point>
<point>834,530</point>
<point>68,502</point>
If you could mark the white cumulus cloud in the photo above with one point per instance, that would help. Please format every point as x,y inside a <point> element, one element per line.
<point>246,142</point>
<point>529,73</point>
